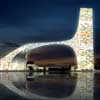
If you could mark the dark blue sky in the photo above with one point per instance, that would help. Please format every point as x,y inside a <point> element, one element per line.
<point>43,20</point>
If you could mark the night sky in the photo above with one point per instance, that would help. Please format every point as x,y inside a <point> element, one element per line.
<point>24,21</point>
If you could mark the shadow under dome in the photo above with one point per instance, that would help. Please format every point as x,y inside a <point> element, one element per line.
<point>55,86</point>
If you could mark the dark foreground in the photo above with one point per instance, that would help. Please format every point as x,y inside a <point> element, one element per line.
<point>49,86</point>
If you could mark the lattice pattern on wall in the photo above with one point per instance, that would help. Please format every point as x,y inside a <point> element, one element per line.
<point>85,53</point>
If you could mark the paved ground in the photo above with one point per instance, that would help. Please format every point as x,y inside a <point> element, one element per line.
<point>49,86</point>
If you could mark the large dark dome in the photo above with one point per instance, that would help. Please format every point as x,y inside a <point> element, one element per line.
<point>52,54</point>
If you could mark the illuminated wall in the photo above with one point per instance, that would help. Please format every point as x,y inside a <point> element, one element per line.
<point>82,44</point>
<point>83,40</point>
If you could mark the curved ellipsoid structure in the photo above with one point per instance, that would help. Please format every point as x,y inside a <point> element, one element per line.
<point>81,43</point>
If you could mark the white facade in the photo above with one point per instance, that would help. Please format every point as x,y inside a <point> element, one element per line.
<point>81,43</point>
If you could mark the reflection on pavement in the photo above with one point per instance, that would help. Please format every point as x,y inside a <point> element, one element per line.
<point>50,86</point>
